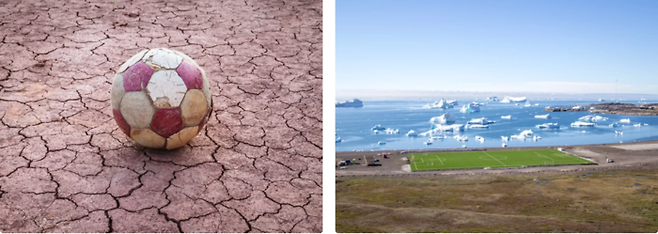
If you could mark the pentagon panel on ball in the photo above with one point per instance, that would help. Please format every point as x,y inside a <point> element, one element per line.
<point>161,98</point>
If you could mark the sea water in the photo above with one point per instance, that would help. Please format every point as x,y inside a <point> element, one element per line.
<point>353,126</point>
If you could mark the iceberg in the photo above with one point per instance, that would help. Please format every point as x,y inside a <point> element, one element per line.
<point>440,104</point>
<point>470,108</point>
<point>509,99</point>
<point>452,102</point>
<point>582,124</point>
<point>625,121</point>
<point>443,119</point>
<point>392,131</point>
<point>381,143</point>
<point>412,133</point>
<point>546,116</point>
<point>479,138</point>
<point>523,135</point>
<point>504,138</point>
<point>614,125</point>
<point>477,126</point>
<point>549,126</point>
<point>592,118</point>
<point>461,138</point>
<point>492,99</point>
<point>350,103</point>
<point>440,128</point>
<point>506,117</point>
<point>378,128</point>
<point>482,120</point>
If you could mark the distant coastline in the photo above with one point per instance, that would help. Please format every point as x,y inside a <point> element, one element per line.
<point>645,109</point>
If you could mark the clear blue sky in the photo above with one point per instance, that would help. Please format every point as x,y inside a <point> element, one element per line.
<point>575,46</point>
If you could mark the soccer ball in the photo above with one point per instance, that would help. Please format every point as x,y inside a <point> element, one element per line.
<point>161,98</point>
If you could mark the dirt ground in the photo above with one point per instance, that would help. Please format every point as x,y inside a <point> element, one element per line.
<point>66,167</point>
<point>624,155</point>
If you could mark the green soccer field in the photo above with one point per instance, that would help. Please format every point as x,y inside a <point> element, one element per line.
<point>492,159</point>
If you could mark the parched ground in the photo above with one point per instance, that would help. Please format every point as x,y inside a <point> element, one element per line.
<point>66,167</point>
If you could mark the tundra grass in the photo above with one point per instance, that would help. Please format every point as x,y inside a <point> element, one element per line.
<point>604,201</point>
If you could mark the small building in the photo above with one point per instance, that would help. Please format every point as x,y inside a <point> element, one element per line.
<point>369,161</point>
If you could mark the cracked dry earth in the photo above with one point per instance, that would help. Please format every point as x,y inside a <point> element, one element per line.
<point>66,167</point>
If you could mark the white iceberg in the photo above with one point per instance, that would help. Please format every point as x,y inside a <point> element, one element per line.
<point>625,121</point>
<point>492,99</point>
<point>440,128</point>
<point>443,119</point>
<point>508,99</point>
<point>549,125</point>
<point>440,104</point>
<point>482,120</point>
<point>582,124</point>
<point>614,125</point>
<point>546,116</point>
<point>592,118</point>
<point>477,126</point>
<point>470,108</point>
<point>392,131</point>
<point>378,128</point>
<point>452,102</point>
<point>479,138</point>
<point>350,103</point>
<point>381,143</point>
<point>412,133</point>
<point>461,138</point>
<point>504,138</point>
<point>506,117</point>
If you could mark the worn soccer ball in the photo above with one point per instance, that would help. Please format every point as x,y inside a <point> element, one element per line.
<point>161,98</point>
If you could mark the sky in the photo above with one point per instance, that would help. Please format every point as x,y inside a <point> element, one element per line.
<point>566,46</point>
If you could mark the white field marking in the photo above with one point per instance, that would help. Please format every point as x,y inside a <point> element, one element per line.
<point>544,156</point>
<point>495,159</point>
<point>440,160</point>
<point>415,164</point>
<point>421,160</point>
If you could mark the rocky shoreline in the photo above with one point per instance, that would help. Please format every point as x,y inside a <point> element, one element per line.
<point>645,109</point>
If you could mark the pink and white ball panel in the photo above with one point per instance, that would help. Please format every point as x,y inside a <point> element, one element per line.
<point>161,98</point>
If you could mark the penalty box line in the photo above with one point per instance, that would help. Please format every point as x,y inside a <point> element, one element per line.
<point>494,158</point>
<point>437,157</point>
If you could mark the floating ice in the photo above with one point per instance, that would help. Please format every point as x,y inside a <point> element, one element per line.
<point>350,103</point>
<point>443,119</point>
<point>482,120</point>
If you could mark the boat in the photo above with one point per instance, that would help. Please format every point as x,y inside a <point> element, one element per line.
<point>546,116</point>
<point>506,117</point>
<point>427,142</point>
<point>446,118</point>
<point>482,120</point>
<point>338,140</point>
<point>614,125</point>
<point>381,143</point>
<point>625,121</point>
<point>378,127</point>
<point>582,124</point>
<point>549,126</point>
<point>470,108</point>
<point>412,133</point>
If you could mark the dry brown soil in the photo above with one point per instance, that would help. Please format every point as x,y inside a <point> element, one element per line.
<point>66,167</point>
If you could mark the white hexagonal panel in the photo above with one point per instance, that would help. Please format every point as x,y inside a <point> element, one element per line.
<point>166,89</point>
<point>132,60</point>
<point>162,58</point>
